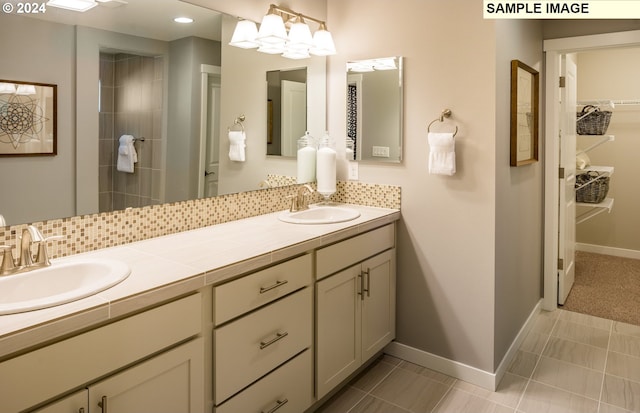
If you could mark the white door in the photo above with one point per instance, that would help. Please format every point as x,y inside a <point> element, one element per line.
<point>567,194</point>
<point>293,117</point>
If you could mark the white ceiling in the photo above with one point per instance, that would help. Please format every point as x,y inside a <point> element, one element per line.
<point>146,18</point>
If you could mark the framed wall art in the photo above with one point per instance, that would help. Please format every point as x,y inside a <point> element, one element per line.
<point>524,114</point>
<point>28,118</point>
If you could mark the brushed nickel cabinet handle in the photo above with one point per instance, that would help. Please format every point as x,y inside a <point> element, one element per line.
<point>271,287</point>
<point>367,273</point>
<point>279,404</point>
<point>279,336</point>
<point>103,404</point>
<point>361,290</point>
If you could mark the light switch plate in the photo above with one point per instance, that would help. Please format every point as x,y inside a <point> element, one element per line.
<point>380,151</point>
<point>353,171</point>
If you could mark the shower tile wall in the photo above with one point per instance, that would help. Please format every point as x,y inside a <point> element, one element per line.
<point>131,104</point>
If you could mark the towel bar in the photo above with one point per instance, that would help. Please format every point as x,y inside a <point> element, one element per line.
<point>445,114</point>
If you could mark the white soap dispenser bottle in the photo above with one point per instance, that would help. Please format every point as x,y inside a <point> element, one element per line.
<point>326,168</point>
<point>306,159</point>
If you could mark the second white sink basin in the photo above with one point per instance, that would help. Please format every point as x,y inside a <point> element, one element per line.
<point>319,214</point>
<point>60,283</point>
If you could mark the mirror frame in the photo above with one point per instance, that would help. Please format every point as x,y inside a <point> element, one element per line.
<point>524,113</point>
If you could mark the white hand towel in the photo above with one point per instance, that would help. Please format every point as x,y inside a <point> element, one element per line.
<point>127,155</point>
<point>442,155</point>
<point>237,145</point>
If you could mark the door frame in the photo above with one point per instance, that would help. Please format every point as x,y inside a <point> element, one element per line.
<point>205,72</point>
<point>553,50</point>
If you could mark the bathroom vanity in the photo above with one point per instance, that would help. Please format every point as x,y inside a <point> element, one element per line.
<point>250,315</point>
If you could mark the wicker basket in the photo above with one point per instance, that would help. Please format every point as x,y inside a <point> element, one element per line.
<point>591,187</point>
<point>592,121</point>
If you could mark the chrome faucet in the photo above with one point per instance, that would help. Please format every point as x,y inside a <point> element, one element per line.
<point>300,201</point>
<point>30,235</point>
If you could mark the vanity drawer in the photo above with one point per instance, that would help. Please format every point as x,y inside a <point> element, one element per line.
<point>290,387</point>
<point>250,347</point>
<point>254,290</point>
<point>344,254</point>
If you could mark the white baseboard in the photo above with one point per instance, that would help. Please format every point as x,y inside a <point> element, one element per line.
<point>462,371</point>
<point>603,249</point>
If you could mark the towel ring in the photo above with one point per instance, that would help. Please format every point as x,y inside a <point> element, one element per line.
<point>238,122</point>
<point>445,114</point>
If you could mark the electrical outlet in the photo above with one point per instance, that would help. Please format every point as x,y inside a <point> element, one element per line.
<point>380,151</point>
<point>353,171</point>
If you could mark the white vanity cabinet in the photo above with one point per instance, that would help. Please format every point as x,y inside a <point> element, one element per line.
<point>355,306</point>
<point>134,364</point>
<point>262,340</point>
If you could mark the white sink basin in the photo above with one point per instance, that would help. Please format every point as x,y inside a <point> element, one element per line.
<point>60,283</point>
<point>320,214</point>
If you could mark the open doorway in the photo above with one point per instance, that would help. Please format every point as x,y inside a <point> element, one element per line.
<point>555,50</point>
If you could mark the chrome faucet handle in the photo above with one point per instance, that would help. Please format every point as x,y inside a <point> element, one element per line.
<point>42,258</point>
<point>8,263</point>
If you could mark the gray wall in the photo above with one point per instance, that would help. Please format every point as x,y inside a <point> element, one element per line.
<point>183,131</point>
<point>519,194</point>
<point>46,180</point>
<point>447,236</point>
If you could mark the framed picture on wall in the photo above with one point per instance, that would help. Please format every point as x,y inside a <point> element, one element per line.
<point>524,114</point>
<point>28,118</point>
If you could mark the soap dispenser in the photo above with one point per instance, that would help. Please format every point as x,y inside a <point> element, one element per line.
<point>326,168</point>
<point>306,158</point>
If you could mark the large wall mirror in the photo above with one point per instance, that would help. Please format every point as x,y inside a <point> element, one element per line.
<point>178,86</point>
<point>374,109</point>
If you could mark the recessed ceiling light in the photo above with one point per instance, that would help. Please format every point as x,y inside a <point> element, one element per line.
<point>183,20</point>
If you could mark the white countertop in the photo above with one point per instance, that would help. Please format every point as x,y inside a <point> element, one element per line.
<point>166,267</point>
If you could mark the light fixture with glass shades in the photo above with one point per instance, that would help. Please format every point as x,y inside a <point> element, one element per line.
<point>284,32</point>
<point>385,63</point>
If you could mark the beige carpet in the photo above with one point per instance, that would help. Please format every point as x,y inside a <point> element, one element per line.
<point>607,287</point>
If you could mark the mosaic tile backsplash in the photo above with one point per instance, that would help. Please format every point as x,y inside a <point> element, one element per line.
<point>92,232</point>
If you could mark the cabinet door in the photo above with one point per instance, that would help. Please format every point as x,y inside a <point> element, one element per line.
<point>379,304</point>
<point>74,403</point>
<point>338,328</point>
<point>170,382</point>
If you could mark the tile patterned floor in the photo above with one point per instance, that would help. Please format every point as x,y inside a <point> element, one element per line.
<point>569,362</point>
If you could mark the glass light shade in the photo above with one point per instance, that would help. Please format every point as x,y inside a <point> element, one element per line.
<point>273,48</point>
<point>388,63</point>
<point>272,30</point>
<point>75,5</point>
<point>26,90</point>
<point>7,88</point>
<point>296,54</point>
<point>244,35</point>
<point>322,43</point>
<point>299,36</point>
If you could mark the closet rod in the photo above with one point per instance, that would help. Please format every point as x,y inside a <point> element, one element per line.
<point>610,102</point>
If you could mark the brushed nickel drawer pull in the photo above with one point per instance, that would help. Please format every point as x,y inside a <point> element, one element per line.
<point>279,336</point>
<point>271,287</point>
<point>361,290</point>
<point>279,404</point>
<point>103,404</point>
